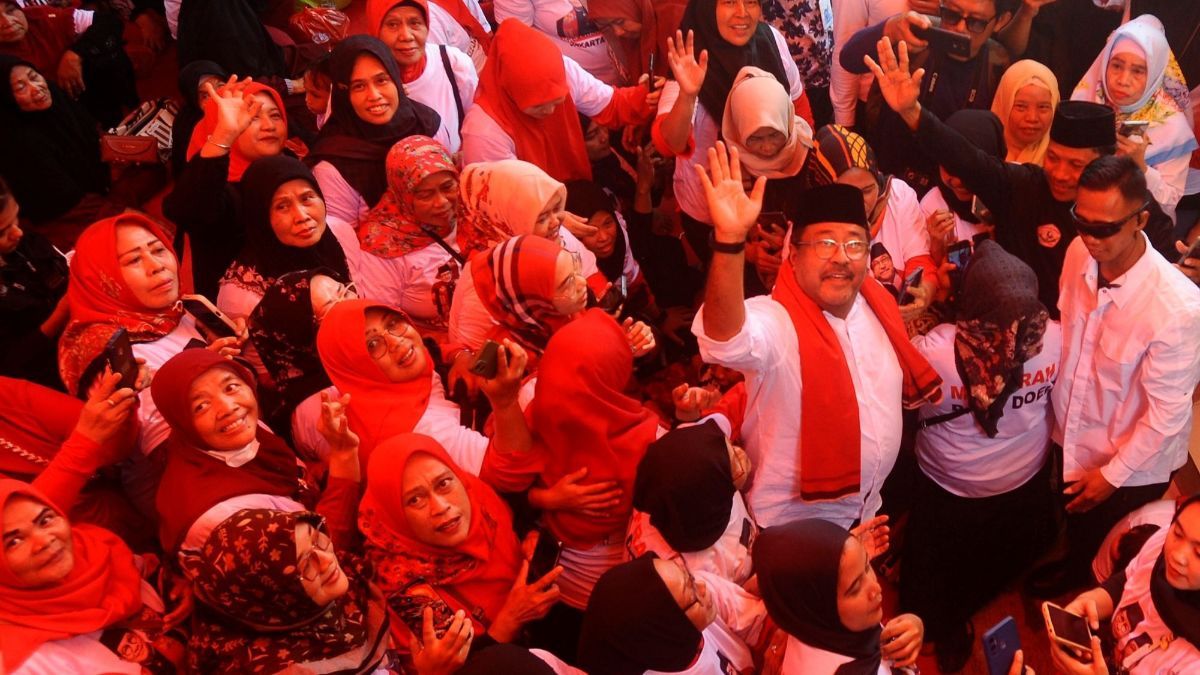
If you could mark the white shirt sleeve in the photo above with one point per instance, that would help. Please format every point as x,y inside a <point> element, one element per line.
<point>761,343</point>
<point>850,16</point>
<point>83,20</point>
<point>521,10</point>
<point>444,30</point>
<point>1167,180</point>
<point>172,11</point>
<point>591,96</point>
<point>483,140</point>
<point>342,201</point>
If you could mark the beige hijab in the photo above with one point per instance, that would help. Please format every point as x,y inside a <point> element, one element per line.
<point>1019,74</point>
<point>758,100</point>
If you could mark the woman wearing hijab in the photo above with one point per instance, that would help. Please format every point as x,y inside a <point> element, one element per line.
<point>612,241</point>
<point>297,606</point>
<point>1136,74</point>
<point>409,240</point>
<point>372,352</point>
<point>1024,102</point>
<point>440,538</point>
<point>192,79</point>
<point>984,486</point>
<point>243,121</point>
<point>50,154</point>
<point>87,609</point>
<point>688,505</point>
<point>220,459</point>
<point>820,588</point>
<point>1153,603</point>
<point>651,615</point>
<point>369,114</point>
<point>949,208</point>
<point>718,45</point>
<point>527,102</point>
<point>434,73</point>
<point>638,29</point>
<point>283,216</point>
<point>772,140</point>
<point>283,328</point>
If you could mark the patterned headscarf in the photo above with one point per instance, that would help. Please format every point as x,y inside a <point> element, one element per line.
<point>839,150</point>
<point>1000,325</point>
<point>391,229</point>
<point>515,283</point>
<point>502,199</point>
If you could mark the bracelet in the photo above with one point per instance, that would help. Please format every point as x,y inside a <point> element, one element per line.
<point>722,247</point>
<point>210,140</point>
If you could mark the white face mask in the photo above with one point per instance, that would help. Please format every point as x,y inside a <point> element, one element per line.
<point>236,458</point>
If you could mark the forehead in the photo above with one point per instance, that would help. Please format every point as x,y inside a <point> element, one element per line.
<point>213,377</point>
<point>980,8</point>
<point>1127,58</point>
<point>858,177</point>
<point>852,564</point>
<point>834,230</point>
<point>294,186</point>
<point>1033,92</point>
<point>1067,153</point>
<point>421,468</point>
<point>268,101</point>
<point>404,11</point>
<point>366,65</point>
<point>132,236</point>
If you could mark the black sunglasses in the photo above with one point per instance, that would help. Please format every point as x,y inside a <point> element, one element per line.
<point>951,17</point>
<point>1103,230</point>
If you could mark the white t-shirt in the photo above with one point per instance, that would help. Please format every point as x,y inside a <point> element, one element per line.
<point>408,280</point>
<point>342,201</point>
<point>934,201</point>
<point>432,87</point>
<point>766,351</point>
<point>957,454</point>
<point>445,30</point>
<point>800,659</point>
<point>705,129</point>
<point>483,140</point>
<point>728,558</point>
<point>560,20</point>
<point>1159,512</point>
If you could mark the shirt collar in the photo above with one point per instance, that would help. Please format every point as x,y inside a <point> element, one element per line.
<point>1122,289</point>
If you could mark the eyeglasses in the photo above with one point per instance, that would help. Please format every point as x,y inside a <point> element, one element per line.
<point>564,289</point>
<point>951,17</point>
<point>395,325</point>
<point>1103,230</point>
<point>307,563</point>
<point>855,249</point>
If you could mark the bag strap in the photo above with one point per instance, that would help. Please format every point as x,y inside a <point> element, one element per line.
<point>940,419</point>
<point>453,83</point>
<point>458,257</point>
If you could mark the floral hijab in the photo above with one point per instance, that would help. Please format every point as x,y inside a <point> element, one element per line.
<point>502,199</point>
<point>391,229</point>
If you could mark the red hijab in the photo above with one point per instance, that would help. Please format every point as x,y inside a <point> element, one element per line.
<point>581,417</point>
<point>101,301</point>
<point>379,408</point>
<point>515,282</point>
<point>525,69</point>
<point>378,9</point>
<point>194,481</point>
<point>477,575</point>
<point>238,162</point>
<point>103,588</point>
<point>659,19</point>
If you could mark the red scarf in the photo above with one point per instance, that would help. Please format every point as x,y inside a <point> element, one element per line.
<point>830,439</point>
<point>391,229</point>
<point>379,408</point>
<point>525,69</point>
<point>478,574</point>
<point>238,162</point>
<point>515,282</point>
<point>101,301</point>
<point>103,588</point>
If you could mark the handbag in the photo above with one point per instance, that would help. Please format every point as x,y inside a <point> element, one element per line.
<point>143,137</point>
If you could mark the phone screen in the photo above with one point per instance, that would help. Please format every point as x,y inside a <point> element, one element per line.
<point>1069,627</point>
<point>485,364</point>
<point>545,556</point>
<point>959,254</point>
<point>207,318</point>
<point>913,279</point>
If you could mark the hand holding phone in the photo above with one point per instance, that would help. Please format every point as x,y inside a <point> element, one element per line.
<point>913,279</point>
<point>545,556</point>
<point>1133,128</point>
<point>1067,629</point>
<point>208,316</point>
<point>1000,645</point>
<point>117,355</point>
<point>486,364</point>
<point>945,41</point>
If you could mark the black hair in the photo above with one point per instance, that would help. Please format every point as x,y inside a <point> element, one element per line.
<point>1130,544</point>
<point>1111,171</point>
<point>1009,6</point>
<point>318,68</point>
<point>6,194</point>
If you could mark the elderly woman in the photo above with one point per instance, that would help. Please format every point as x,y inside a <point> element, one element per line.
<point>1025,102</point>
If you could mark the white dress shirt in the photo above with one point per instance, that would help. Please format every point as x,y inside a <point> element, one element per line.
<point>766,351</point>
<point>1130,363</point>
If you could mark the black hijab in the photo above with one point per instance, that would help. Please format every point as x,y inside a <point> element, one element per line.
<point>797,566</point>
<point>1180,610</point>
<point>503,658</point>
<point>633,624</point>
<point>725,59</point>
<point>264,258</point>
<point>985,132</point>
<point>359,149</point>
<point>685,484</point>
<point>584,199</point>
<point>230,33</point>
<point>190,113</point>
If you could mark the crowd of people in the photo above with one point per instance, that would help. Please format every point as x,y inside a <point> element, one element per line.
<point>608,337</point>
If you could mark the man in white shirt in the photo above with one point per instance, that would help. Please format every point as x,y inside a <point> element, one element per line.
<point>823,325</point>
<point>1123,404</point>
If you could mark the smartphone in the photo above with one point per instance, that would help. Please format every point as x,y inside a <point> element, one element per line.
<point>650,67</point>
<point>486,364</point>
<point>980,210</point>
<point>409,604</point>
<point>945,41</point>
<point>545,556</point>
<point>1000,645</point>
<point>614,297</point>
<point>913,279</point>
<point>117,355</point>
<point>1193,250</point>
<point>207,315</point>
<point>1133,128</point>
<point>1070,630</point>
<point>959,254</point>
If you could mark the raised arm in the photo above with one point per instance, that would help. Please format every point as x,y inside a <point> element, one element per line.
<point>689,75</point>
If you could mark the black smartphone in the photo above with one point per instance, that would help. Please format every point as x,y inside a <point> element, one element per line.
<point>545,556</point>
<point>118,356</point>
<point>1000,645</point>
<point>1070,630</point>
<point>980,210</point>
<point>650,67</point>
<point>945,41</point>
<point>1193,250</point>
<point>614,297</point>
<point>208,316</point>
<point>486,363</point>
<point>913,279</point>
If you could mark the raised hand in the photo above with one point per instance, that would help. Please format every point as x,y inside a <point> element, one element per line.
<point>900,88</point>
<point>733,211</point>
<point>503,389</point>
<point>334,424</point>
<point>691,402</point>
<point>689,72</point>
<point>445,655</point>
<point>235,109</point>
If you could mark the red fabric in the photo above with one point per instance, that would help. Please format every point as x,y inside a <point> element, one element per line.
<point>830,437</point>
<point>51,33</point>
<point>515,282</point>
<point>524,68</point>
<point>926,262</point>
<point>733,406</point>
<point>627,106</point>
<point>379,408</point>
<point>804,109</point>
<point>378,9</point>
<point>660,142</point>
<point>37,420</point>
<point>659,19</point>
<point>193,481</point>
<point>238,162</point>
<point>103,588</point>
<point>478,573</point>
<point>581,417</point>
<point>101,301</point>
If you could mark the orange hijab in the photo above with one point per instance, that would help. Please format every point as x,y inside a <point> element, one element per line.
<point>525,69</point>
<point>238,162</point>
<point>102,589</point>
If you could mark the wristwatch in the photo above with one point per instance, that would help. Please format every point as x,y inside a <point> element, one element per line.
<point>721,247</point>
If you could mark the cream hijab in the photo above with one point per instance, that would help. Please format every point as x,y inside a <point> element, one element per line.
<point>758,100</point>
<point>1018,75</point>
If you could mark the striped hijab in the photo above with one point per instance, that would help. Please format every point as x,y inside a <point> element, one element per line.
<point>515,282</point>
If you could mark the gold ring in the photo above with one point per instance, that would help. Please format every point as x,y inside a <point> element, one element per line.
<point>111,403</point>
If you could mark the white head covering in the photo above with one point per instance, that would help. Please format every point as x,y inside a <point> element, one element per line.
<point>1146,33</point>
<point>758,100</point>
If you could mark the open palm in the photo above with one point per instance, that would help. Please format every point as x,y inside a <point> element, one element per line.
<point>681,56</point>
<point>900,88</point>
<point>733,211</point>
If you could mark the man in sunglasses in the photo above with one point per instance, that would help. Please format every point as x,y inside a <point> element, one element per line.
<point>956,80</point>
<point>1031,204</point>
<point>1123,404</point>
<point>827,360</point>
